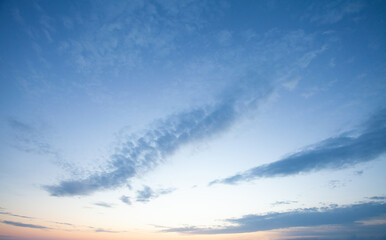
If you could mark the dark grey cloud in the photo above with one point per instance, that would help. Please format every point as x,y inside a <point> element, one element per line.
<point>345,215</point>
<point>19,224</point>
<point>126,199</point>
<point>333,153</point>
<point>146,194</point>
<point>103,204</point>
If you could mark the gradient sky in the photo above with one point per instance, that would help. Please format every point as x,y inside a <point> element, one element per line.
<point>231,120</point>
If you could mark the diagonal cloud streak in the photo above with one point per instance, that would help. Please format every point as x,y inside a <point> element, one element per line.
<point>14,215</point>
<point>333,153</point>
<point>103,204</point>
<point>142,154</point>
<point>18,224</point>
<point>345,215</point>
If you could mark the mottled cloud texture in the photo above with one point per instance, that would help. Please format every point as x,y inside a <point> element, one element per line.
<point>146,152</point>
<point>251,79</point>
<point>333,153</point>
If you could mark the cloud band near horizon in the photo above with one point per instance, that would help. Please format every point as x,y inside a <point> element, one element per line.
<point>344,215</point>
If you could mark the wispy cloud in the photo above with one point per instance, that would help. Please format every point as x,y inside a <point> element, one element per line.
<point>30,139</point>
<point>336,184</point>
<point>298,218</point>
<point>19,224</point>
<point>333,12</point>
<point>146,194</point>
<point>126,199</point>
<point>101,230</point>
<point>333,153</point>
<point>377,198</point>
<point>63,223</point>
<point>358,173</point>
<point>146,152</point>
<point>14,215</point>
<point>283,203</point>
<point>103,204</point>
<point>143,152</point>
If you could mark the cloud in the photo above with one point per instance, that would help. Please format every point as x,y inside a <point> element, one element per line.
<point>14,215</point>
<point>18,224</point>
<point>100,181</point>
<point>377,198</point>
<point>291,85</point>
<point>126,200</point>
<point>144,153</point>
<point>283,203</point>
<point>146,194</point>
<point>358,173</point>
<point>336,184</point>
<point>345,215</point>
<point>117,36</point>
<point>63,223</point>
<point>242,94</point>
<point>339,232</point>
<point>103,204</point>
<point>333,153</point>
<point>30,139</point>
<point>334,12</point>
<point>105,231</point>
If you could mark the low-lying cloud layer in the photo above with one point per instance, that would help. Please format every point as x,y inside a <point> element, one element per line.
<point>333,153</point>
<point>346,215</point>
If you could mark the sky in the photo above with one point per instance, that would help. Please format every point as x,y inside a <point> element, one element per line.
<point>185,120</point>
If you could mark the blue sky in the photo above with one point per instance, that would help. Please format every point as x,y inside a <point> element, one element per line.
<point>192,119</point>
